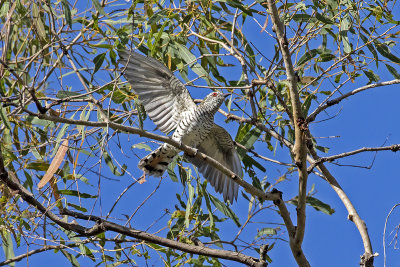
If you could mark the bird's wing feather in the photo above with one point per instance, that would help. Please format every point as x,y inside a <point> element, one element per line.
<point>219,146</point>
<point>164,97</point>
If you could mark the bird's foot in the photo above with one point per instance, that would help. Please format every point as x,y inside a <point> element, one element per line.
<point>142,178</point>
<point>180,144</point>
<point>193,154</point>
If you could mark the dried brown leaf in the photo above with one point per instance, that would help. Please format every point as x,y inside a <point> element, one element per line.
<point>58,159</point>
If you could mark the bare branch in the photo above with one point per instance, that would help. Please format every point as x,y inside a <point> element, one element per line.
<point>337,100</point>
<point>393,148</point>
<point>42,249</point>
<point>262,157</point>
<point>105,225</point>
<point>300,149</point>
<point>384,233</point>
<point>368,256</point>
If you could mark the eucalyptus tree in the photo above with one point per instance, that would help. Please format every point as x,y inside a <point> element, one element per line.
<point>73,130</point>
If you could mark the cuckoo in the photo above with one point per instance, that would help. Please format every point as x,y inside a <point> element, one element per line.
<point>170,106</point>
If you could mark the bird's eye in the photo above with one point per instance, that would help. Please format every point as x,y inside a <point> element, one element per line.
<point>215,94</point>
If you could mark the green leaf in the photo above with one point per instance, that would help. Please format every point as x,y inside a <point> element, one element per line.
<point>8,246</point>
<point>67,12</point>
<point>98,7</point>
<point>242,131</point>
<point>189,205</point>
<point>371,76</point>
<point>4,9</point>
<point>142,146</point>
<point>37,21</point>
<point>250,138</point>
<point>384,50</point>
<point>307,56</point>
<point>322,148</point>
<point>102,237</point>
<point>37,121</point>
<point>190,59</point>
<point>141,112</point>
<point>326,57</point>
<point>319,205</point>
<point>337,78</point>
<point>241,6</point>
<point>265,231</point>
<point>247,138</point>
<point>171,171</point>
<point>70,257</point>
<point>324,19</point>
<point>208,204</point>
<point>225,209</point>
<point>157,247</point>
<point>62,94</point>
<point>346,43</point>
<point>249,161</point>
<point>370,48</point>
<point>4,117</point>
<point>75,193</point>
<point>83,117</point>
<point>393,71</point>
<point>315,203</point>
<point>98,61</point>
<point>28,182</point>
<point>307,103</point>
<point>158,37</point>
<point>345,26</point>
<point>77,207</point>
<point>111,165</point>
<point>156,17</point>
<point>39,165</point>
<point>302,18</point>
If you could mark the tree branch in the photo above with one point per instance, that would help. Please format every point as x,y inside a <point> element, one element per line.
<point>337,100</point>
<point>189,150</point>
<point>367,259</point>
<point>42,249</point>
<point>393,148</point>
<point>332,181</point>
<point>28,197</point>
<point>300,126</point>
<point>297,251</point>
<point>105,225</point>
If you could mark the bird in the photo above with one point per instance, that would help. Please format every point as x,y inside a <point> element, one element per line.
<point>170,106</point>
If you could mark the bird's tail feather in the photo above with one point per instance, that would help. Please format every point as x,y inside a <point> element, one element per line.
<point>157,161</point>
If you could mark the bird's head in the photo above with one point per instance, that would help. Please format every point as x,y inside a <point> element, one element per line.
<point>214,100</point>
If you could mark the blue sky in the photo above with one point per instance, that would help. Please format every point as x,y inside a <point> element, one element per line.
<point>368,119</point>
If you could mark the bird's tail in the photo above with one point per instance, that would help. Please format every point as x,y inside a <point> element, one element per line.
<point>157,161</point>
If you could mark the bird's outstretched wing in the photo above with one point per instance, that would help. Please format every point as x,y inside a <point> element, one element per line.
<point>219,146</point>
<point>164,97</point>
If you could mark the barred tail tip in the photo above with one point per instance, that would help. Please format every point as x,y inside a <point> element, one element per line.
<point>156,162</point>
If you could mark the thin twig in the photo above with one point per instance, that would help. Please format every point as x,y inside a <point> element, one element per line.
<point>337,100</point>
<point>384,234</point>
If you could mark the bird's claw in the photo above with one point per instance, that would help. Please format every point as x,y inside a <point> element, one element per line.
<point>195,152</point>
<point>192,155</point>
<point>180,144</point>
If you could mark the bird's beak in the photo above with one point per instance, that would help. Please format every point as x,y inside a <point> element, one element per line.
<point>228,94</point>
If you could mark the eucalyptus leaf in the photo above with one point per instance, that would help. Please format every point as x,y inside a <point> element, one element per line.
<point>225,209</point>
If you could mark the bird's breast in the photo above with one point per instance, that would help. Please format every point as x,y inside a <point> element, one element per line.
<point>193,128</point>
